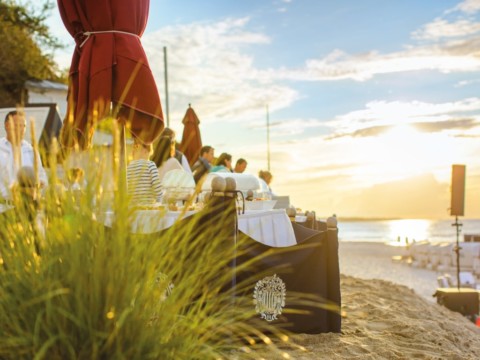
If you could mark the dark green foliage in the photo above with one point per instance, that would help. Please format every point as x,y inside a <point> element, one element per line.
<point>25,49</point>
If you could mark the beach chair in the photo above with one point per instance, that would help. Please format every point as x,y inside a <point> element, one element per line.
<point>445,281</point>
<point>433,256</point>
<point>419,253</point>
<point>476,266</point>
<point>468,252</point>
<point>445,251</point>
<point>467,280</point>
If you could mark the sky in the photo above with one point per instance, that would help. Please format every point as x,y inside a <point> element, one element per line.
<point>370,102</point>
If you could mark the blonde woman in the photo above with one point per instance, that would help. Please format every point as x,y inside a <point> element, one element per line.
<point>265,180</point>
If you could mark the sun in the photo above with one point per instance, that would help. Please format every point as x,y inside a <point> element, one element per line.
<point>402,131</point>
<point>404,152</point>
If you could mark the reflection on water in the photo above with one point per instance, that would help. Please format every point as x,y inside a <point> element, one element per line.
<point>408,230</point>
<point>413,229</point>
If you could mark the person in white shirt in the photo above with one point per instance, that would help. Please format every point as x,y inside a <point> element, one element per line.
<point>164,156</point>
<point>15,127</point>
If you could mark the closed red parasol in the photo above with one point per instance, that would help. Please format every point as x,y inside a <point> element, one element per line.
<point>109,69</point>
<point>191,139</point>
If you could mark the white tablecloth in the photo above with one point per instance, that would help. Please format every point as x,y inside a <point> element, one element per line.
<point>270,227</point>
<point>150,221</point>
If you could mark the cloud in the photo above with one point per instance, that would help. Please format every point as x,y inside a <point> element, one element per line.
<point>467,82</point>
<point>289,127</point>
<point>365,132</point>
<point>379,116</point>
<point>454,124</point>
<point>396,198</point>
<point>447,47</point>
<point>469,6</point>
<point>453,56</point>
<point>208,65</point>
<point>441,28</point>
<point>425,127</point>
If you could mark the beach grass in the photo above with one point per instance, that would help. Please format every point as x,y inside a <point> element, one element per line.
<point>73,288</point>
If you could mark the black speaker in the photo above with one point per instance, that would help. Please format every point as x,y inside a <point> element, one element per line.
<point>465,301</point>
<point>457,203</point>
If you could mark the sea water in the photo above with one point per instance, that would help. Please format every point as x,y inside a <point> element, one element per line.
<point>405,230</point>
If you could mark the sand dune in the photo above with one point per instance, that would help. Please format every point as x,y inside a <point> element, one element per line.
<point>384,320</point>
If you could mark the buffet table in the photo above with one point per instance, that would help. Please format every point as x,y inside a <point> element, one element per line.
<point>269,227</point>
<point>290,270</point>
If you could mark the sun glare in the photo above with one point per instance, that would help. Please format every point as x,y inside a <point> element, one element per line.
<point>403,131</point>
<point>408,230</point>
<point>405,152</point>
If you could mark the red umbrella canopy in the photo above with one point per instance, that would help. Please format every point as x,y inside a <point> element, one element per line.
<point>191,139</point>
<point>109,69</point>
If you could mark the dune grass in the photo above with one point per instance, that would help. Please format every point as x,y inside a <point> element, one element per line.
<point>73,288</point>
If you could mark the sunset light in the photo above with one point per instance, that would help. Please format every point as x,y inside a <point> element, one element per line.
<point>349,115</point>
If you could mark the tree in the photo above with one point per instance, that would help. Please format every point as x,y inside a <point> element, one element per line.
<point>24,44</point>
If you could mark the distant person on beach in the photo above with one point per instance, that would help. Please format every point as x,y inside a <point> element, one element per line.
<point>143,183</point>
<point>164,156</point>
<point>240,166</point>
<point>204,163</point>
<point>181,158</point>
<point>15,127</point>
<point>223,163</point>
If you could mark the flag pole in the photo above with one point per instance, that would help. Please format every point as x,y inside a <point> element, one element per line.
<point>166,85</point>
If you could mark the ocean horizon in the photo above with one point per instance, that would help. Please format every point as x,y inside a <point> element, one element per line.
<point>404,230</point>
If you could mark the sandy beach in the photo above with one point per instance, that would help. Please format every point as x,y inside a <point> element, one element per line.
<point>388,313</point>
<point>372,260</point>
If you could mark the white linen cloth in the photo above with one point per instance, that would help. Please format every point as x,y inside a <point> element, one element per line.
<point>270,227</point>
<point>149,221</point>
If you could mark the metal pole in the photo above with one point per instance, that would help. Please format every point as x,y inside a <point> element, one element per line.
<point>166,85</point>
<point>268,139</point>
<point>457,249</point>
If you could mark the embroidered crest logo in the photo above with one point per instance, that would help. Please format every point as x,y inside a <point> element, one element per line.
<point>269,297</point>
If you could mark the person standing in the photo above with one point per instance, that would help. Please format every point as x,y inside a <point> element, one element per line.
<point>11,146</point>
<point>204,163</point>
